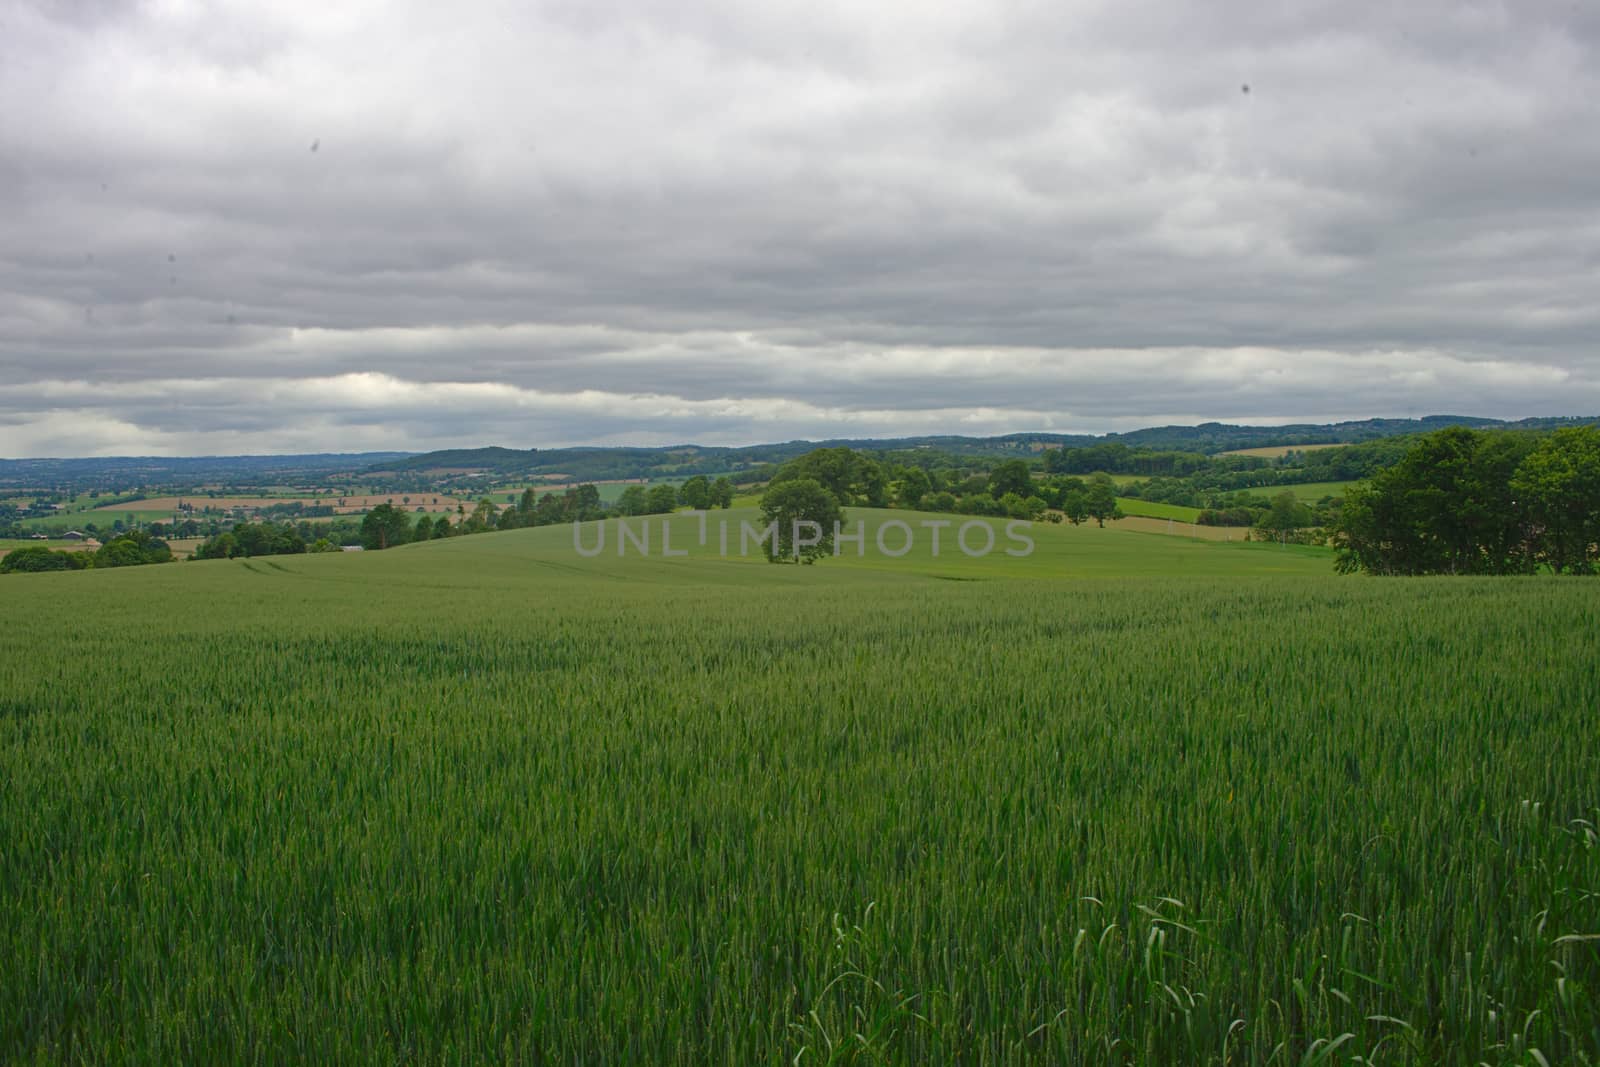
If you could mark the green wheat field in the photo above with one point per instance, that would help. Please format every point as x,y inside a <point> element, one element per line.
<point>1130,800</point>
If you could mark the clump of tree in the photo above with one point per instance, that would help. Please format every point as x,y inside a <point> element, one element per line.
<point>579,503</point>
<point>385,526</point>
<point>659,499</point>
<point>248,539</point>
<point>1463,501</point>
<point>34,559</point>
<point>133,548</point>
<point>702,494</point>
<point>802,514</point>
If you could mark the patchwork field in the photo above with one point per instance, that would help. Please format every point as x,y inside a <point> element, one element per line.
<point>1274,451</point>
<point>487,800</point>
<point>166,505</point>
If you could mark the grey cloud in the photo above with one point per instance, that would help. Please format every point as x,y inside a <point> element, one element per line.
<point>864,211</point>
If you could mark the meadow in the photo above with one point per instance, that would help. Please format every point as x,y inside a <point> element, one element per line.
<point>1153,509</point>
<point>1129,800</point>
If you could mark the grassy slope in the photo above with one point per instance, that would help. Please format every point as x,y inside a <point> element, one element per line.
<point>1317,490</point>
<point>482,800</point>
<point>1151,509</point>
<point>1059,550</point>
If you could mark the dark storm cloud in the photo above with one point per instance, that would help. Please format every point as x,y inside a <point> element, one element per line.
<point>276,227</point>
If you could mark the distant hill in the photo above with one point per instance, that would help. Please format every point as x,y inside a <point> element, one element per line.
<point>673,461</point>
<point>114,471</point>
<point>595,464</point>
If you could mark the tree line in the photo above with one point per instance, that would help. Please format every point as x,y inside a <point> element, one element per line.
<point>1463,501</point>
<point>134,548</point>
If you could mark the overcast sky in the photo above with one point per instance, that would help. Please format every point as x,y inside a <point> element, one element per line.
<point>329,225</point>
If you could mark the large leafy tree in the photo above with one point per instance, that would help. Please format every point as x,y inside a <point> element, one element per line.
<point>1011,476</point>
<point>914,484</point>
<point>661,499</point>
<point>483,516</point>
<point>1447,507</point>
<point>852,477</point>
<point>802,507</point>
<point>384,527</point>
<point>1100,500</point>
<point>696,493</point>
<point>131,549</point>
<point>1559,484</point>
<point>635,500</point>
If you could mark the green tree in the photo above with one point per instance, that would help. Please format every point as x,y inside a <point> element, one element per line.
<point>222,546</point>
<point>1100,502</point>
<point>696,493</point>
<point>1447,507</point>
<point>1286,515</point>
<point>483,516</point>
<point>1559,485</point>
<point>635,499</point>
<point>914,484</point>
<point>581,503</point>
<point>662,499</point>
<point>423,531</point>
<point>37,558</point>
<point>385,526</point>
<point>549,511</point>
<point>852,477</point>
<point>1011,476</point>
<point>722,493</point>
<point>805,513</point>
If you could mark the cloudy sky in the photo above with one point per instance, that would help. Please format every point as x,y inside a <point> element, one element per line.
<point>308,225</point>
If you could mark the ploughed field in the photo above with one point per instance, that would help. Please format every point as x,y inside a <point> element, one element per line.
<point>486,800</point>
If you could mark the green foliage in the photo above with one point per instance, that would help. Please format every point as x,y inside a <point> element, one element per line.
<point>252,539</point>
<point>1100,501</point>
<point>133,548</point>
<point>803,513</point>
<point>1560,483</point>
<point>695,493</point>
<point>851,477</point>
<point>913,484</point>
<point>635,500</point>
<point>1469,502</point>
<point>386,526</point>
<point>427,807</point>
<point>661,499</point>
<point>1286,514</point>
<point>37,558</point>
<point>1010,477</point>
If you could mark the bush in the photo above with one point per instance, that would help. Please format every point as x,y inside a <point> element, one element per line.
<point>37,558</point>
